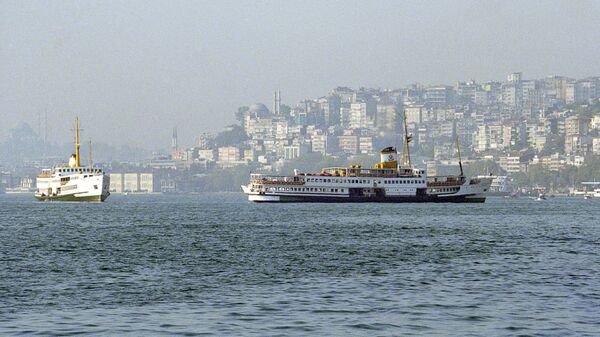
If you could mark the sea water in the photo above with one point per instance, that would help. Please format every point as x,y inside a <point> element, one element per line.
<point>215,264</point>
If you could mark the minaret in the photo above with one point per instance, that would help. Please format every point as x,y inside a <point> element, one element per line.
<point>174,146</point>
<point>278,102</point>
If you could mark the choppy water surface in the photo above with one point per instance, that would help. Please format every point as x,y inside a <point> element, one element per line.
<point>216,264</point>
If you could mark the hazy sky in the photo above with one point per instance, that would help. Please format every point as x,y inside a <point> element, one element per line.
<point>134,69</point>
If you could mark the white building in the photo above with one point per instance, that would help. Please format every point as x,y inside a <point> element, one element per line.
<point>147,184</point>
<point>361,115</point>
<point>510,164</point>
<point>116,182</point>
<point>348,144</point>
<point>414,114</point>
<point>131,182</point>
<point>294,151</point>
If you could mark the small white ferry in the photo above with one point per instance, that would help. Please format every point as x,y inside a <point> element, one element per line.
<point>73,182</point>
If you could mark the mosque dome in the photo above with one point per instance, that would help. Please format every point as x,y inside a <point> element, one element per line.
<point>258,110</point>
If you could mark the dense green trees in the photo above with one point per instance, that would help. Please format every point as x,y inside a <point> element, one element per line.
<point>228,179</point>
<point>483,167</point>
<point>232,135</point>
<point>568,177</point>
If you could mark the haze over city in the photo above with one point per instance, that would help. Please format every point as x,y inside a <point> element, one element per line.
<point>315,167</point>
<point>134,69</point>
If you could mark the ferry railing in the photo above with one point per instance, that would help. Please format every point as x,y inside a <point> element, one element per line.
<point>261,179</point>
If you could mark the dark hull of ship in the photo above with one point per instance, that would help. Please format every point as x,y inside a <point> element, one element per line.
<point>384,199</point>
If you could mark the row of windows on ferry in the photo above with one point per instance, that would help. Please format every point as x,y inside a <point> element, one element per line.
<point>82,169</point>
<point>364,181</point>
<point>306,189</point>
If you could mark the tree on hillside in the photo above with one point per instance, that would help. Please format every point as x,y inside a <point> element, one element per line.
<point>232,135</point>
<point>540,176</point>
<point>554,144</point>
<point>483,167</point>
<point>240,114</point>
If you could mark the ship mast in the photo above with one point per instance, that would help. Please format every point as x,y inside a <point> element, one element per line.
<point>77,162</point>
<point>462,174</point>
<point>90,154</point>
<point>405,160</point>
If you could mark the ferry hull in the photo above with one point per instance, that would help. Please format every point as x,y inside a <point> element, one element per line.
<point>388,199</point>
<point>73,198</point>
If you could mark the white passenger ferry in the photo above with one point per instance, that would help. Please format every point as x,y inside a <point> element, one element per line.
<point>73,182</point>
<point>386,182</point>
<point>356,184</point>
